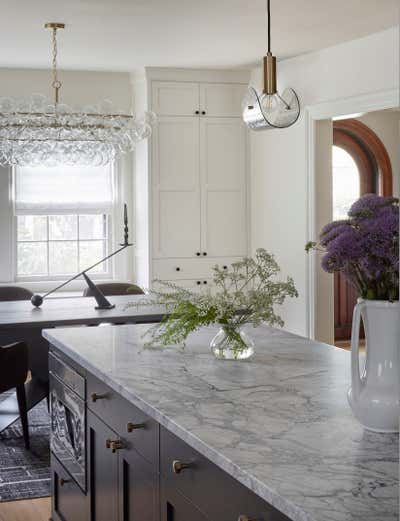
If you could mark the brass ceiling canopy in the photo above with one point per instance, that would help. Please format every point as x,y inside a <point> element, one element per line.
<point>270,109</point>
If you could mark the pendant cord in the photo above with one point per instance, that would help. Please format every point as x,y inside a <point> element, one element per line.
<point>269,24</point>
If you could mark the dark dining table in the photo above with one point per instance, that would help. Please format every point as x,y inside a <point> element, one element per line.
<point>20,321</point>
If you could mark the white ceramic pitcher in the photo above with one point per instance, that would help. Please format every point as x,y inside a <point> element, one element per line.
<point>374,394</point>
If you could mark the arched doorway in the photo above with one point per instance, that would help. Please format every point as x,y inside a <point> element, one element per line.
<point>360,165</point>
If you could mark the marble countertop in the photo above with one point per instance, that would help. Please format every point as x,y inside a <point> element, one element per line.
<point>280,423</point>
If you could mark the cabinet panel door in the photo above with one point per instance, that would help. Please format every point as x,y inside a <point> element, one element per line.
<point>139,497</point>
<point>175,507</point>
<point>103,471</point>
<point>176,187</point>
<point>223,183</point>
<point>68,501</point>
<point>174,98</point>
<point>221,99</point>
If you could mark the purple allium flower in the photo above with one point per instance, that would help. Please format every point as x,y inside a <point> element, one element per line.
<point>365,247</point>
<point>366,205</point>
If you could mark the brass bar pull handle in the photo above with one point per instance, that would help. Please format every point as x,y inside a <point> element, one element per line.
<point>130,427</point>
<point>178,466</point>
<point>243,517</point>
<point>114,445</point>
<point>94,397</point>
<point>64,481</point>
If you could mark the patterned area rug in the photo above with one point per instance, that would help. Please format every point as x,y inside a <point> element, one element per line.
<point>25,474</point>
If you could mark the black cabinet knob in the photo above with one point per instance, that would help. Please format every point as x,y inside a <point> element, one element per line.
<point>225,267</point>
<point>198,282</point>
<point>177,268</point>
<point>204,282</point>
<point>203,112</point>
<point>198,253</point>
<point>204,253</point>
<point>197,112</point>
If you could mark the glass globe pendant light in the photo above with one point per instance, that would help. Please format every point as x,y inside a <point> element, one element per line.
<point>270,109</point>
<point>38,131</point>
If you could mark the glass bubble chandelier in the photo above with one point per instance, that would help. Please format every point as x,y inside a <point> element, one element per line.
<point>270,109</point>
<point>38,131</point>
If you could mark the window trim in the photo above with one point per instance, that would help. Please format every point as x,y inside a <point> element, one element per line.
<point>359,133</point>
<point>122,266</point>
<point>364,164</point>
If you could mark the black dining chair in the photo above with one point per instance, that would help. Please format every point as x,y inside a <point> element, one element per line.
<point>8,293</point>
<point>13,374</point>
<point>110,289</point>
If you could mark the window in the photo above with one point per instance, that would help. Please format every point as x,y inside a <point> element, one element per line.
<point>346,182</point>
<point>62,220</point>
<point>60,245</point>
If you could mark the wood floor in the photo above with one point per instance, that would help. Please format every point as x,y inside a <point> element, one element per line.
<point>346,344</point>
<point>26,510</point>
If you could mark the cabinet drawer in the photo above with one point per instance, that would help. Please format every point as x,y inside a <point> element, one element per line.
<point>214,492</point>
<point>138,429</point>
<point>194,285</point>
<point>175,269</point>
<point>69,503</point>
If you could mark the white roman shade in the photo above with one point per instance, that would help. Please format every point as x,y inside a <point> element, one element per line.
<point>63,190</point>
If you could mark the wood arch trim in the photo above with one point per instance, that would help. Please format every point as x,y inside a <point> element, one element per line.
<point>362,159</point>
<point>367,139</point>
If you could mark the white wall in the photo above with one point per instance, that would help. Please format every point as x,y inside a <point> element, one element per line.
<point>79,88</point>
<point>279,170</point>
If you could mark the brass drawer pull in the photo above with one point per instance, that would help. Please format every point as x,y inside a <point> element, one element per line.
<point>94,397</point>
<point>130,427</point>
<point>114,445</point>
<point>242,517</point>
<point>64,482</point>
<point>178,466</point>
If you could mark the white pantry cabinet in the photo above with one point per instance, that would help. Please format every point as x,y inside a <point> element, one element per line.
<point>191,180</point>
<point>176,187</point>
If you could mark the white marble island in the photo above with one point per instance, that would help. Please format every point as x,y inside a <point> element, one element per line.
<point>279,424</point>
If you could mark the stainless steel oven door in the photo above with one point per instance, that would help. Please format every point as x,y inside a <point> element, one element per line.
<point>68,430</point>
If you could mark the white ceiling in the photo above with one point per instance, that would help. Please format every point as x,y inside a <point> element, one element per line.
<point>123,35</point>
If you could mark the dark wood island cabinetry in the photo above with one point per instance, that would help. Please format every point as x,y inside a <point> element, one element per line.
<point>136,470</point>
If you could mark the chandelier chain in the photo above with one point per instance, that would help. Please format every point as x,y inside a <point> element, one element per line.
<point>56,82</point>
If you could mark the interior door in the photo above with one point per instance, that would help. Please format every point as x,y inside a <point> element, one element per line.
<point>176,187</point>
<point>350,158</point>
<point>223,187</point>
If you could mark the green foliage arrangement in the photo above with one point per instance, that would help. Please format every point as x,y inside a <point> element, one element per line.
<point>245,293</point>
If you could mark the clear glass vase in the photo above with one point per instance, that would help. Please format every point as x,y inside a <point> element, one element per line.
<point>232,343</point>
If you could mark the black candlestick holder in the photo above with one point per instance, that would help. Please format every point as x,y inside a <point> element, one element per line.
<point>102,302</point>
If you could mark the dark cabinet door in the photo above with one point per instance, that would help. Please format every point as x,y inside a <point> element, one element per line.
<point>175,507</point>
<point>68,500</point>
<point>138,493</point>
<point>102,469</point>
